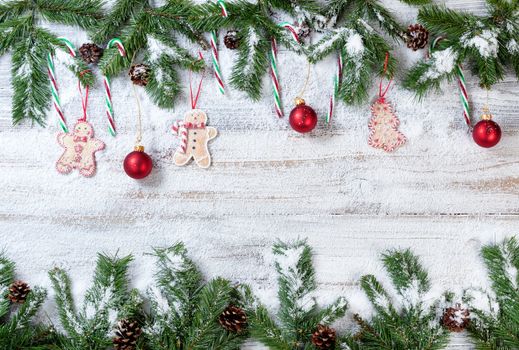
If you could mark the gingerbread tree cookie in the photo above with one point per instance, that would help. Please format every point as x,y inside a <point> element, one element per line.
<point>383,127</point>
<point>80,148</point>
<point>194,136</point>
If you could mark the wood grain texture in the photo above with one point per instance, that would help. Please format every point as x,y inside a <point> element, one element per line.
<point>440,194</point>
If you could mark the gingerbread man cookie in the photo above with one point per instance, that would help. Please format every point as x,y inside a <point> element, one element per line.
<point>80,148</point>
<point>194,136</point>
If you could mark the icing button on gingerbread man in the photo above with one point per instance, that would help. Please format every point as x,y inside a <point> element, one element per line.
<point>80,148</point>
<point>194,136</point>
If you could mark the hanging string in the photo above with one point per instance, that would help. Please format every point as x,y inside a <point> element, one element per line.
<point>84,100</point>
<point>138,139</point>
<point>383,93</point>
<point>194,98</point>
<point>307,79</point>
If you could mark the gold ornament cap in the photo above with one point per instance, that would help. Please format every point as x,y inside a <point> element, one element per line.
<point>486,114</point>
<point>139,148</point>
<point>300,101</point>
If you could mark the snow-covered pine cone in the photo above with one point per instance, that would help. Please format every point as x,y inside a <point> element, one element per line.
<point>90,53</point>
<point>416,37</point>
<point>324,337</point>
<point>231,40</point>
<point>303,30</point>
<point>140,74</point>
<point>18,292</point>
<point>456,318</point>
<point>127,334</point>
<point>233,319</point>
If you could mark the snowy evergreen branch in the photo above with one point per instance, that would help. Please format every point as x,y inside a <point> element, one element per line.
<point>184,310</point>
<point>150,30</point>
<point>30,44</point>
<point>105,302</point>
<point>413,322</point>
<point>488,43</point>
<point>16,330</point>
<point>298,313</point>
<point>257,28</point>
<point>351,31</point>
<point>495,321</point>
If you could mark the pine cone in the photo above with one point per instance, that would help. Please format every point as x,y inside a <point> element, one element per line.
<point>233,319</point>
<point>303,30</point>
<point>139,74</point>
<point>231,40</point>
<point>416,36</point>
<point>126,335</point>
<point>456,319</point>
<point>90,53</point>
<point>18,292</point>
<point>324,337</point>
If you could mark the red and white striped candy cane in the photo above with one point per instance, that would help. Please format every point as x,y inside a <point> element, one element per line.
<point>336,85</point>
<point>274,75</point>
<point>180,128</point>
<point>108,89</point>
<point>54,84</point>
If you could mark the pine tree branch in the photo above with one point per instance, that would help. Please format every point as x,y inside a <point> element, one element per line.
<point>83,13</point>
<point>251,64</point>
<point>13,9</point>
<point>405,271</point>
<point>212,300</point>
<point>120,15</point>
<point>64,301</point>
<point>6,278</point>
<point>443,21</point>
<point>264,329</point>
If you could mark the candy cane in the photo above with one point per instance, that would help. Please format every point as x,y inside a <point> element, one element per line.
<point>108,90</point>
<point>336,85</point>
<point>214,52</point>
<point>274,77</point>
<point>273,57</point>
<point>223,7</point>
<point>464,96</point>
<point>54,84</point>
<point>291,29</point>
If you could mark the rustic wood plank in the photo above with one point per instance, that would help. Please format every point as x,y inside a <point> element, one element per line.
<point>441,196</point>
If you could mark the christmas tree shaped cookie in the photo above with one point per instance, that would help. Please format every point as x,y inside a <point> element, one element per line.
<point>383,127</point>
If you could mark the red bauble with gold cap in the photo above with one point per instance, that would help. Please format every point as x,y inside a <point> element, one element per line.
<point>138,164</point>
<point>302,118</point>
<point>486,132</point>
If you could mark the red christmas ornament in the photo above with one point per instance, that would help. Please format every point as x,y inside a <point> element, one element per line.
<point>138,164</point>
<point>486,132</point>
<point>302,118</point>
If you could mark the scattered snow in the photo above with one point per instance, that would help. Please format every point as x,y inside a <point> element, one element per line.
<point>412,295</point>
<point>355,46</point>
<point>253,43</point>
<point>162,304</point>
<point>512,46</point>
<point>485,42</point>
<point>441,62</point>
<point>157,48</point>
<point>287,261</point>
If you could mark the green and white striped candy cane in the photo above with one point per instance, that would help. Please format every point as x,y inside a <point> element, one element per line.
<point>464,96</point>
<point>108,89</point>
<point>214,51</point>
<point>54,84</point>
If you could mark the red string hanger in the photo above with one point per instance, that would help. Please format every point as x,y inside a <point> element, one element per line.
<point>84,99</point>
<point>194,98</point>
<point>383,91</point>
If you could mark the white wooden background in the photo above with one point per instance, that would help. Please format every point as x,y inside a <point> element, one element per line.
<point>440,194</point>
